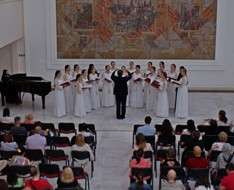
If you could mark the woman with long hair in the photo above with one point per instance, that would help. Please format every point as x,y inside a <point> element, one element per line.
<point>94,91</point>
<point>59,98</point>
<point>107,94</point>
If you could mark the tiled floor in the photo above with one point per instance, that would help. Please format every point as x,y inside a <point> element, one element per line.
<point>114,136</point>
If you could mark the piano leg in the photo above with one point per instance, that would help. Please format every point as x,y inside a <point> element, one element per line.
<point>33,97</point>
<point>43,102</point>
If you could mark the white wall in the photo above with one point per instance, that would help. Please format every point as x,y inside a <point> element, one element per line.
<point>6,58</point>
<point>40,46</point>
<point>11,21</point>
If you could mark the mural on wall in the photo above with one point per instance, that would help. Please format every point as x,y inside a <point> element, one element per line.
<point>136,29</point>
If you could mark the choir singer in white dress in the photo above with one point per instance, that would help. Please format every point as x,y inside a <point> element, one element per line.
<point>59,98</point>
<point>68,90</point>
<point>107,90</point>
<point>137,94</point>
<point>79,109</point>
<point>171,89</point>
<point>86,91</point>
<point>162,109</point>
<point>94,91</point>
<point>182,95</point>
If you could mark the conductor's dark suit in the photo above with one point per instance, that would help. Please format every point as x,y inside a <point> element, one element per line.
<point>120,92</point>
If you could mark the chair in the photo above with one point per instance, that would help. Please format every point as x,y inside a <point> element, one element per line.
<point>160,155</point>
<point>6,155</point>
<point>66,128</point>
<point>208,140</point>
<point>28,127</point>
<point>135,127</point>
<point>48,126</point>
<point>144,172</point>
<point>80,156</point>
<point>22,171</point>
<point>159,128</point>
<point>56,155</point>
<point>194,174</point>
<point>34,155</point>
<point>88,128</point>
<point>179,129</point>
<point>202,128</point>
<point>184,141</point>
<point>147,155</point>
<point>60,142</point>
<point>20,139</point>
<point>80,174</point>
<point>6,126</point>
<point>49,170</point>
<point>151,141</point>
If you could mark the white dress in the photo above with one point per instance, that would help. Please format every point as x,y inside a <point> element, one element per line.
<point>130,83</point>
<point>150,95</point>
<point>69,95</point>
<point>171,91</point>
<point>94,91</point>
<point>87,96</point>
<point>79,109</point>
<point>59,99</point>
<point>107,90</point>
<point>137,92</point>
<point>162,109</point>
<point>182,99</point>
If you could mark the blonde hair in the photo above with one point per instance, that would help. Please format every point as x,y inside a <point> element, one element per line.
<point>223,137</point>
<point>80,141</point>
<point>67,175</point>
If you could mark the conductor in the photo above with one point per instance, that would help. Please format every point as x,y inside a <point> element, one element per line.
<point>120,92</point>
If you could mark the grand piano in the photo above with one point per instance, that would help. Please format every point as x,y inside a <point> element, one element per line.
<point>21,83</point>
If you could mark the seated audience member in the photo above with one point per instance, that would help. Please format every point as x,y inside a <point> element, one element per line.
<point>203,183</point>
<point>197,161</point>
<point>3,167</point>
<point>166,136</point>
<point>147,129</point>
<point>36,141</point>
<point>171,183</point>
<point>225,157</point>
<point>67,179</point>
<point>139,161</point>
<point>222,119</point>
<point>20,160</point>
<point>139,184</point>
<point>170,160</point>
<point>142,144</point>
<point>18,129</point>
<point>227,183</point>
<point>3,184</point>
<point>14,181</point>
<point>29,119</point>
<point>218,146</point>
<point>80,145</point>
<point>190,128</point>
<point>36,182</point>
<point>6,118</point>
<point>7,144</point>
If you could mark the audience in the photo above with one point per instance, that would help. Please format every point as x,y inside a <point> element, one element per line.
<point>142,144</point>
<point>6,118</point>
<point>212,128</point>
<point>222,119</point>
<point>14,181</point>
<point>7,144</point>
<point>147,129</point>
<point>36,141</point>
<point>19,160</point>
<point>80,145</point>
<point>166,137</point>
<point>190,128</point>
<point>18,130</point>
<point>197,161</point>
<point>170,160</point>
<point>225,157</point>
<point>28,119</point>
<point>203,183</point>
<point>218,146</point>
<point>67,179</point>
<point>171,183</point>
<point>227,183</point>
<point>36,182</point>
<point>139,184</point>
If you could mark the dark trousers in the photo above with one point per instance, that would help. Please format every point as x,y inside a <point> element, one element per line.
<point>120,106</point>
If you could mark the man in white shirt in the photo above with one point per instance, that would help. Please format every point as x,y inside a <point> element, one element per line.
<point>36,141</point>
<point>147,129</point>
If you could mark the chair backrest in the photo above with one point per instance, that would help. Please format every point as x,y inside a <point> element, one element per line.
<point>161,154</point>
<point>60,141</point>
<point>6,126</point>
<point>87,127</point>
<point>34,155</point>
<point>179,129</point>
<point>197,173</point>
<point>6,155</point>
<point>78,172</point>
<point>185,140</point>
<point>135,127</point>
<point>20,139</point>
<point>66,128</point>
<point>55,155</point>
<point>20,170</point>
<point>147,154</point>
<point>225,129</point>
<point>159,128</point>
<point>144,172</point>
<point>48,126</point>
<point>166,140</point>
<point>80,155</point>
<point>203,128</point>
<point>151,140</point>
<point>208,140</point>
<point>49,170</point>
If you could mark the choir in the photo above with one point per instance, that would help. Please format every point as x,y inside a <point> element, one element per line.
<point>158,91</point>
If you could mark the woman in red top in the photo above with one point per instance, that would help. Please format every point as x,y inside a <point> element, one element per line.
<point>37,183</point>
